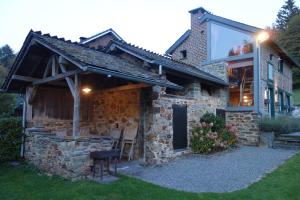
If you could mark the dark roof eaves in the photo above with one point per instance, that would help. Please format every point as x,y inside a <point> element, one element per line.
<point>296,62</point>
<point>133,78</point>
<point>179,42</point>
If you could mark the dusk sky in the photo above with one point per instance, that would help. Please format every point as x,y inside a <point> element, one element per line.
<point>152,24</point>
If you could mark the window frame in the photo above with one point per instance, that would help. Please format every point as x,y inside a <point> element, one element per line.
<point>268,72</point>
<point>209,46</point>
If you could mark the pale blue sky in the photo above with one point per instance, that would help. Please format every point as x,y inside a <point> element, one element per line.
<point>152,24</point>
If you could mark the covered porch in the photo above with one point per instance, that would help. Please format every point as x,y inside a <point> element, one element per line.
<point>74,98</point>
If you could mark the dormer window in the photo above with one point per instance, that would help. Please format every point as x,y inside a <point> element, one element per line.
<point>183,54</point>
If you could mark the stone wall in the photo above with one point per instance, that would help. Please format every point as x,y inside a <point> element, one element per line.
<point>247,124</point>
<point>64,157</point>
<point>218,69</point>
<point>282,81</point>
<point>159,136</point>
<point>195,44</point>
<point>116,109</point>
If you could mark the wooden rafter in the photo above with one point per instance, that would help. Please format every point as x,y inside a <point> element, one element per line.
<point>55,78</point>
<point>24,78</point>
<point>70,82</point>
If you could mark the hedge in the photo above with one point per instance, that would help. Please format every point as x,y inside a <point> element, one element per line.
<point>10,138</point>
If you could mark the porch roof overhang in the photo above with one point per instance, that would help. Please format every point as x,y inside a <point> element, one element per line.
<point>85,59</point>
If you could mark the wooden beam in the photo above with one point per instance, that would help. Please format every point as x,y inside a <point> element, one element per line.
<point>47,68</point>
<point>127,87</point>
<point>53,66</point>
<point>76,109</point>
<point>24,78</point>
<point>68,79</point>
<point>55,78</point>
<point>31,94</point>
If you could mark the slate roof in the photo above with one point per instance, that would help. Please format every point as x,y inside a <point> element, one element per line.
<point>168,63</point>
<point>92,60</point>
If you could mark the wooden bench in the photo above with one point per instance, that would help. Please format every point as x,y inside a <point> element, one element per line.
<point>103,156</point>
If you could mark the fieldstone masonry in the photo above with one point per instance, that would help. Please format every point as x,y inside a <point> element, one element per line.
<point>159,138</point>
<point>62,156</point>
<point>247,124</point>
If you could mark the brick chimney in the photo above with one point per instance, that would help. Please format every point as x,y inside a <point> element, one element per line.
<point>195,15</point>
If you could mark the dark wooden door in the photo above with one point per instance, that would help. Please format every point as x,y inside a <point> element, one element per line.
<point>179,126</point>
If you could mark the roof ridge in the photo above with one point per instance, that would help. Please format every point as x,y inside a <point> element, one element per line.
<point>141,48</point>
<point>63,39</point>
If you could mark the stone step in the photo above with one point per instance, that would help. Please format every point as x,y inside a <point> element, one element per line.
<point>287,139</point>
<point>285,146</point>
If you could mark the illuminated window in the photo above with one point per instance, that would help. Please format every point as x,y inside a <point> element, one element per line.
<point>240,74</point>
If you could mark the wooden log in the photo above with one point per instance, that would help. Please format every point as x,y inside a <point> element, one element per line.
<point>53,66</point>
<point>68,79</point>
<point>55,78</point>
<point>31,94</point>
<point>76,111</point>
<point>25,78</point>
<point>47,68</point>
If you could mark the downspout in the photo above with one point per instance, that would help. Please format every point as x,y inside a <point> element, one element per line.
<point>22,153</point>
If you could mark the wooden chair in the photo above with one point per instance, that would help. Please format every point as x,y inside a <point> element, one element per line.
<point>129,137</point>
<point>115,134</point>
<point>84,131</point>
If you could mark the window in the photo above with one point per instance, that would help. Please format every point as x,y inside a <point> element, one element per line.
<point>288,102</point>
<point>183,54</point>
<point>281,66</point>
<point>270,71</point>
<point>281,102</point>
<point>240,75</point>
<point>226,42</point>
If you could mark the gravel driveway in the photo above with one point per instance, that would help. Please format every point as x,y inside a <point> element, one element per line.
<point>223,172</point>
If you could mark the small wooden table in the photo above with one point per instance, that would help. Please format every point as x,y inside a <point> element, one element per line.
<point>103,156</point>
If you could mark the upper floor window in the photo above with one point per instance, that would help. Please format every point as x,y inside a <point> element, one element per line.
<point>225,42</point>
<point>270,72</point>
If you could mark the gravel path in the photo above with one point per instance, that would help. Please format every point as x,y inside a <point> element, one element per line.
<point>224,172</point>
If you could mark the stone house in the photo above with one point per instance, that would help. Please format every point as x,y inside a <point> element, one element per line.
<point>103,82</point>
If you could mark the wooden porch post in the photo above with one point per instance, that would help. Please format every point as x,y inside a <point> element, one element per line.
<point>76,111</point>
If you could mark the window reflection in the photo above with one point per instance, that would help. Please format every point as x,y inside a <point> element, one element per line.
<point>228,42</point>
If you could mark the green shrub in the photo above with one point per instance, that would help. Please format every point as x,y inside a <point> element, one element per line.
<point>10,138</point>
<point>208,136</point>
<point>218,122</point>
<point>280,125</point>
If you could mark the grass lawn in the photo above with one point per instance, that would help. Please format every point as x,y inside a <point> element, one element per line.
<point>296,96</point>
<point>24,182</point>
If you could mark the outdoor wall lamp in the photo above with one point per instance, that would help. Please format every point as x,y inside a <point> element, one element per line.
<point>86,90</point>
<point>262,36</point>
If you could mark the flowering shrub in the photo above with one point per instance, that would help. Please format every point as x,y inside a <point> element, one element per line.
<point>206,139</point>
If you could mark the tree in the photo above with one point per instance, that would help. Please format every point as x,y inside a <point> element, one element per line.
<point>7,56</point>
<point>7,101</point>
<point>286,12</point>
<point>290,40</point>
